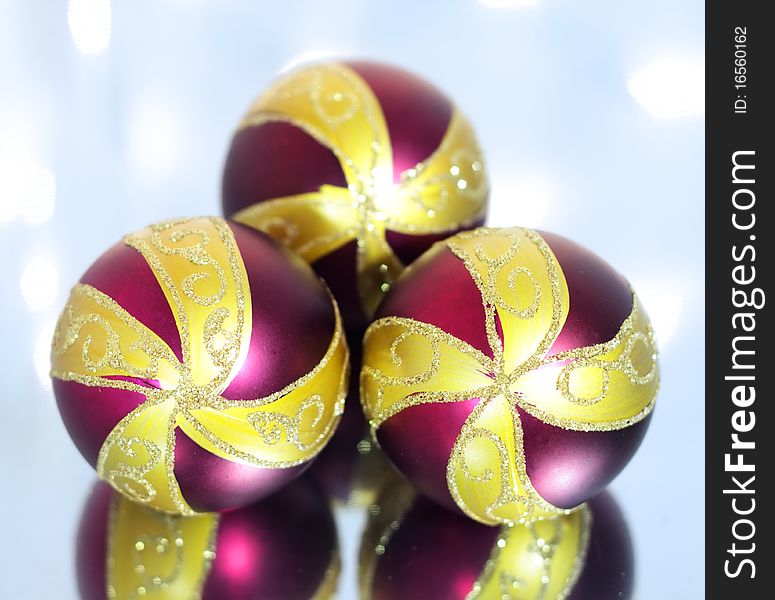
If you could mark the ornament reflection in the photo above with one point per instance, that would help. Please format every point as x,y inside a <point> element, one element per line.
<point>282,547</point>
<point>413,549</point>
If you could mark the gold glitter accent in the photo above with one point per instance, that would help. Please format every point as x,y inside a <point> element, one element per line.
<point>270,425</point>
<point>336,107</point>
<point>603,387</point>
<point>541,560</point>
<point>157,555</point>
<point>199,268</point>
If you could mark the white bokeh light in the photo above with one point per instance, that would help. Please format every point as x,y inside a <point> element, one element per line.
<point>39,283</point>
<point>670,87</point>
<point>89,22</point>
<point>156,137</point>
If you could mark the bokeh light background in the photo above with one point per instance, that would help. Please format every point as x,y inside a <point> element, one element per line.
<point>117,114</point>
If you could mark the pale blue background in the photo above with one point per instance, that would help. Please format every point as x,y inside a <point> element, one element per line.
<point>96,145</point>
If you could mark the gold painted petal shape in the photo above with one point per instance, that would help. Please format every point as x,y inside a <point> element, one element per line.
<point>407,362</point>
<point>517,274</point>
<point>446,191</point>
<point>540,559</point>
<point>200,270</point>
<point>96,338</point>
<point>313,225</point>
<point>486,472</point>
<point>603,387</point>
<point>338,108</point>
<point>156,555</point>
<point>137,458</point>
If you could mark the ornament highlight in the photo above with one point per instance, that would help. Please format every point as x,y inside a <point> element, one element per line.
<point>199,366</point>
<point>510,374</point>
